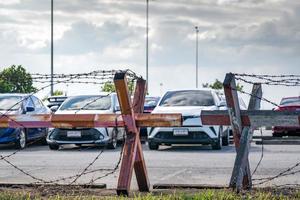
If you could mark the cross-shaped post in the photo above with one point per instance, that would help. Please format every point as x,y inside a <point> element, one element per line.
<point>132,153</point>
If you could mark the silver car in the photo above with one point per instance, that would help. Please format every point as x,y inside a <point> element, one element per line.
<point>87,104</point>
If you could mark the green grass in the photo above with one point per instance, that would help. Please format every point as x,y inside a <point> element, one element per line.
<point>175,195</point>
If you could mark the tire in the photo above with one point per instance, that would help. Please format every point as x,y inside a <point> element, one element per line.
<point>218,144</point>
<point>114,140</point>
<point>153,146</point>
<point>53,146</point>
<point>225,139</point>
<point>22,140</point>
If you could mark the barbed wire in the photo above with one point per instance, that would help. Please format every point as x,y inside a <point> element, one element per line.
<point>283,173</point>
<point>75,82</point>
<point>261,98</point>
<point>266,75</point>
<point>85,171</point>
<point>273,82</point>
<point>261,155</point>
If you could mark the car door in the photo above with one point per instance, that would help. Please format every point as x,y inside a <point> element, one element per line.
<point>39,109</point>
<point>31,132</point>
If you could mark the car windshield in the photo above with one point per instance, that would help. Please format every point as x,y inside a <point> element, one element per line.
<point>10,102</point>
<point>188,98</point>
<point>290,101</point>
<point>151,101</point>
<point>87,103</point>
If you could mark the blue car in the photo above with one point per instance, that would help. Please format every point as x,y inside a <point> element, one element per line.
<point>22,104</point>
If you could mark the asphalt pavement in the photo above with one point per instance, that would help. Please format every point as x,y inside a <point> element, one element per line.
<point>168,165</point>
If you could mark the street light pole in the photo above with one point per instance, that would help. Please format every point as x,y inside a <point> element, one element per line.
<point>197,31</point>
<point>147,44</point>
<point>51,90</point>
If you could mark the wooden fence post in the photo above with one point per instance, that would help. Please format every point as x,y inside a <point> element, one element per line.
<point>241,174</point>
<point>132,146</point>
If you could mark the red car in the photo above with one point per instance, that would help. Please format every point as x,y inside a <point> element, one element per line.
<point>291,104</point>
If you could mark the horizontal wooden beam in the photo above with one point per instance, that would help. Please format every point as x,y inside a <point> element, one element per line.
<point>87,120</point>
<point>255,118</point>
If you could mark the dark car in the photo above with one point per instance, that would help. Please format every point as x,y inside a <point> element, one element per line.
<point>55,102</point>
<point>149,105</point>
<point>22,104</point>
<point>289,104</point>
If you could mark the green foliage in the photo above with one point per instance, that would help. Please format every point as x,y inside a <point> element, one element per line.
<point>110,87</point>
<point>206,194</point>
<point>58,93</point>
<point>15,79</point>
<point>218,85</point>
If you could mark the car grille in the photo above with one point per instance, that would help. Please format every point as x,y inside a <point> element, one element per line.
<point>86,135</point>
<point>191,136</point>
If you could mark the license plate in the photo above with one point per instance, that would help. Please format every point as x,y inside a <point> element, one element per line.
<point>73,133</point>
<point>180,132</point>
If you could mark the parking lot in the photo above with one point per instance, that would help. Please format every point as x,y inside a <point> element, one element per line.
<point>169,165</point>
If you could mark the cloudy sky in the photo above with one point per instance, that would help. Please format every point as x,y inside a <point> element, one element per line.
<point>249,36</point>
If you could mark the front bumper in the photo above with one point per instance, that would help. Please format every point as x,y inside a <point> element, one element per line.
<point>88,136</point>
<point>196,135</point>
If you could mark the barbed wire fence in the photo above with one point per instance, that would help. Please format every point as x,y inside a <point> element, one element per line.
<point>270,80</point>
<point>101,77</point>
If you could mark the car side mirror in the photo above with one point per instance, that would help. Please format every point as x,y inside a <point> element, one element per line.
<point>29,109</point>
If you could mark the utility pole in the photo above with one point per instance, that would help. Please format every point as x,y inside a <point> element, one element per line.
<point>197,31</point>
<point>51,91</point>
<point>147,45</point>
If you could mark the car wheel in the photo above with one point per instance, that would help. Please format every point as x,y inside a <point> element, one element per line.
<point>217,145</point>
<point>225,138</point>
<point>22,140</point>
<point>153,146</point>
<point>114,141</point>
<point>53,146</point>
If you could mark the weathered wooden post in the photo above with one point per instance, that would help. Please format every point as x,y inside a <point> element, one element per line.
<point>132,152</point>
<point>241,175</point>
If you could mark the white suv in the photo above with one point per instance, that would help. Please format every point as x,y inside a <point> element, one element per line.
<point>189,103</point>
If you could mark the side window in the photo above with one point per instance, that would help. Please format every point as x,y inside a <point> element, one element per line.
<point>36,102</point>
<point>29,103</point>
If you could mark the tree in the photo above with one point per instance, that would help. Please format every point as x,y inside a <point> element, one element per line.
<point>110,87</point>
<point>15,79</point>
<point>218,85</point>
<point>58,93</point>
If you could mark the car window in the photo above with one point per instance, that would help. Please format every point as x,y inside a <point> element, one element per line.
<point>290,101</point>
<point>37,102</point>
<point>188,98</point>
<point>151,101</point>
<point>29,103</point>
<point>87,103</point>
<point>10,102</point>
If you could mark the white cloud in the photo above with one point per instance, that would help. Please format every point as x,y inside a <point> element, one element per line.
<point>234,35</point>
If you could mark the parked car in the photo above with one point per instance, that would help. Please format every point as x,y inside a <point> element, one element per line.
<point>149,105</point>
<point>289,104</point>
<point>189,103</point>
<point>22,104</point>
<point>87,104</point>
<point>55,102</point>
